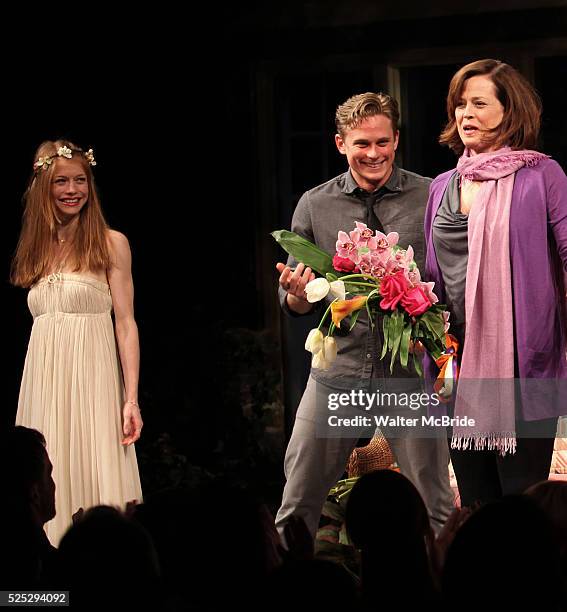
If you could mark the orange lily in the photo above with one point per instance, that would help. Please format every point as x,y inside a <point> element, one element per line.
<point>342,308</point>
<point>444,383</point>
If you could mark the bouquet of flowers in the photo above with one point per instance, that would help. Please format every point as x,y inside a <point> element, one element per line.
<point>377,275</point>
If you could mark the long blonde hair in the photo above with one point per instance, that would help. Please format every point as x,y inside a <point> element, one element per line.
<point>39,224</point>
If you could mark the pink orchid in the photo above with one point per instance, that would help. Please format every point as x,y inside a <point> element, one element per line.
<point>367,237</point>
<point>393,267</point>
<point>374,264</point>
<point>446,314</point>
<point>364,265</point>
<point>380,257</point>
<point>428,289</point>
<point>404,258</point>
<point>414,276</point>
<point>347,245</point>
<point>385,242</point>
<point>378,271</point>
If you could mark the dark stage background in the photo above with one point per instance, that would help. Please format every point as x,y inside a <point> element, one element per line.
<point>204,145</point>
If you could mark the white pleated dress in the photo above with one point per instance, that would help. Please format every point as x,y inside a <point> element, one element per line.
<point>72,391</point>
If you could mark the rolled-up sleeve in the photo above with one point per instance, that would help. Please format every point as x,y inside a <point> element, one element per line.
<point>300,224</point>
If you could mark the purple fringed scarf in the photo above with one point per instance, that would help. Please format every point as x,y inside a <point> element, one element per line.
<point>486,384</point>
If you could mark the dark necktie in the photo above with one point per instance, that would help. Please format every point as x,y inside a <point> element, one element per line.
<point>372,220</point>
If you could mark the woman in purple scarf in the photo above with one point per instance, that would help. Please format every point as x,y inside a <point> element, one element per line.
<point>496,231</point>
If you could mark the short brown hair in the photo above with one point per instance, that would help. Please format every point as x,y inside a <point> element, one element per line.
<point>520,124</point>
<point>357,108</point>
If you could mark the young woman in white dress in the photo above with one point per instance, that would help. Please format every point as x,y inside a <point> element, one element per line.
<point>80,380</point>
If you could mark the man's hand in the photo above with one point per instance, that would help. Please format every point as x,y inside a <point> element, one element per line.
<point>294,282</point>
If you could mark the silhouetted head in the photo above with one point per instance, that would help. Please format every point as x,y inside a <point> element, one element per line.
<point>503,556</point>
<point>25,473</point>
<point>109,550</point>
<point>385,504</point>
<point>551,497</point>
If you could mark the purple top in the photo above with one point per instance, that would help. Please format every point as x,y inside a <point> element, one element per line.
<point>538,254</point>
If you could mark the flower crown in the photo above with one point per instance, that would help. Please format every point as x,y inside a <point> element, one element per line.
<point>43,163</point>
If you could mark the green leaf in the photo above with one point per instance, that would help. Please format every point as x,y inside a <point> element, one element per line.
<point>386,328</point>
<point>354,318</point>
<point>404,345</point>
<point>304,251</point>
<point>434,323</point>
<point>392,330</point>
<point>417,365</point>
<point>415,330</point>
<point>331,277</point>
<point>354,290</point>
<point>370,315</point>
<point>398,319</point>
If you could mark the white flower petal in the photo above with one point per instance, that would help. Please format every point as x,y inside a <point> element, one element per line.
<point>330,349</point>
<point>319,361</point>
<point>338,289</point>
<point>314,341</point>
<point>317,289</point>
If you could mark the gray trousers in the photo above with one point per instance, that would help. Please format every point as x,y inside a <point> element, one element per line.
<point>314,464</point>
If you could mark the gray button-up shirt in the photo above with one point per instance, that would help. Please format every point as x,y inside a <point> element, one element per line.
<point>335,205</point>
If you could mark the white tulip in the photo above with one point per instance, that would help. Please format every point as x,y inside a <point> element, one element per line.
<point>330,349</point>
<point>324,358</point>
<point>338,289</point>
<point>314,342</point>
<point>320,362</point>
<point>317,289</point>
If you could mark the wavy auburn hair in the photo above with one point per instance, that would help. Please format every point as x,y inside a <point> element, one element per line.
<point>520,124</point>
<point>39,225</point>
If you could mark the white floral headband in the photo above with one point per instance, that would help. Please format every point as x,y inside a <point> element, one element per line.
<point>43,163</point>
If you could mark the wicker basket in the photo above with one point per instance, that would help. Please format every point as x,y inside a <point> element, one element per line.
<point>559,459</point>
<point>376,455</point>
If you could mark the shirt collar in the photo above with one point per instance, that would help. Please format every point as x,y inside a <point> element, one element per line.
<point>393,184</point>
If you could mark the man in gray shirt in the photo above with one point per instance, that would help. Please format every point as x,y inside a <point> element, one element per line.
<point>376,192</point>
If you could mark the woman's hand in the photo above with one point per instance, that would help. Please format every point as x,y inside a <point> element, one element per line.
<point>133,423</point>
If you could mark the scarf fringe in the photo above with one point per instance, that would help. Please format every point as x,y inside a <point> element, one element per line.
<point>504,442</point>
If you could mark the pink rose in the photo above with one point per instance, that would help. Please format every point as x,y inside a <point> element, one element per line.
<point>392,289</point>
<point>415,301</point>
<point>342,264</point>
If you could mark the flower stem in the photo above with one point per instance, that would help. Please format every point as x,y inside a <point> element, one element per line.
<point>356,276</point>
<point>325,315</point>
<point>360,284</point>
